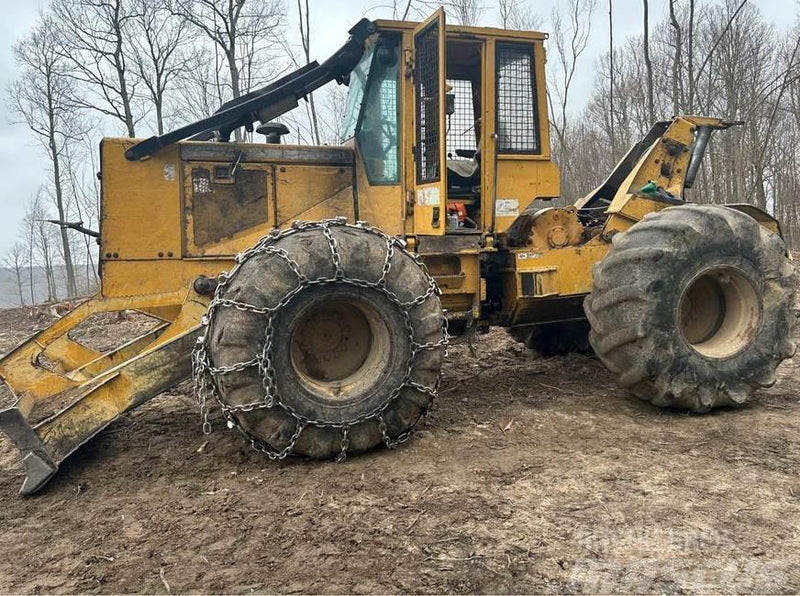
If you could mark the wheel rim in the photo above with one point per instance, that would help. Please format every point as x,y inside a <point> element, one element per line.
<point>337,346</point>
<point>719,312</point>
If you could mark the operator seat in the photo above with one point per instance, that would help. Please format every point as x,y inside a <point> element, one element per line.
<point>464,173</point>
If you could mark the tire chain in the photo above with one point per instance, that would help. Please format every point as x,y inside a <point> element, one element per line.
<point>204,373</point>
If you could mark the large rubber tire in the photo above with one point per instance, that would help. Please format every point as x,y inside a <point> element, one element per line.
<point>693,307</point>
<point>344,357</point>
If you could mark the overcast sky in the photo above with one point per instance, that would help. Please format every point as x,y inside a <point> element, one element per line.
<point>23,167</point>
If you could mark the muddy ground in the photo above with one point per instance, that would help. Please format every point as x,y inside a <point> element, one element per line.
<point>529,475</point>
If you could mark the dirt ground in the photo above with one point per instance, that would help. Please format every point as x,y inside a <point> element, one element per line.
<point>529,475</point>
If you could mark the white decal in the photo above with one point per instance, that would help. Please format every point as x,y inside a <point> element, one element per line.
<point>428,196</point>
<point>169,171</point>
<point>507,208</point>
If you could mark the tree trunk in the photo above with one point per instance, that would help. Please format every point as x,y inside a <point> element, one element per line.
<point>159,103</point>
<point>72,289</point>
<point>611,77</point>
<point>648,63</point>
<point>676,60</point>
<point>690,59</point>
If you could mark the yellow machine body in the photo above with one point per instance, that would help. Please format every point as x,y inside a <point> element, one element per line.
<point>173,221</point>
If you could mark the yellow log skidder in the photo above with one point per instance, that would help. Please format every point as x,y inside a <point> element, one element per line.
<point>319,334</point>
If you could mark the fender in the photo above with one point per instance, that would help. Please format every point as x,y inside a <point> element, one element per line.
<point>761,216</point>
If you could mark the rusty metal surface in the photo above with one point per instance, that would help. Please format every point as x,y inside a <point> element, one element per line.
<point>220,209</point>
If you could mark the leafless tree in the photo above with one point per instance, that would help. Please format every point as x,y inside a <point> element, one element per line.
<point>201,87</point>
<point>465,12</point>
<point>243,31</point>
<point>611,116</point>
<point>570,38</point>
<point>648,62</point>
<point>516,14</point>
<point>42,96</point>
<point>14,261</point>
<point>335,105</point>
<point>96,40</point>
<point>304,19</point>
<point>39,240</point>
<point>84,192</point>
<point>158,40</point>
<point>676,59</point>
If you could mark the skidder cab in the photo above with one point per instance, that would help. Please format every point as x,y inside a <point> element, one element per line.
<point>315,288</point>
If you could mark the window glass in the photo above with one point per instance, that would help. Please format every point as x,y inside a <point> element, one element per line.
<point>355,93</point>
<point>378,128</point>
<point>517,120</point>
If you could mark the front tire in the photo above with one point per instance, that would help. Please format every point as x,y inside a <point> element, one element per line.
<point>692,307</point>
<point>324,340</point>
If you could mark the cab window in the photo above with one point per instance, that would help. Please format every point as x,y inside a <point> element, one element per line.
<point>377,132</point>
<point>517,117</point>
<point>355,93</point>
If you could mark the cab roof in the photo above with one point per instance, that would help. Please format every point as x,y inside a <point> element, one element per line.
<point>462,31</point>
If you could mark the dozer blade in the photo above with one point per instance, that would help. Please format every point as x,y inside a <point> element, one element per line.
<point>64,404</point>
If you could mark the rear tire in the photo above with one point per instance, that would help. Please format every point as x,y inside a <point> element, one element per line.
<point>692,307</point>
<point>341,358</point>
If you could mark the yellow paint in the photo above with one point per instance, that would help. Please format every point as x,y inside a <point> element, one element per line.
<point>150,255</point>
<point>430,198</point>
<point>381,205</point>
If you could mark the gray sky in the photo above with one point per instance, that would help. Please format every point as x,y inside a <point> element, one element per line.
<point>23,167</point>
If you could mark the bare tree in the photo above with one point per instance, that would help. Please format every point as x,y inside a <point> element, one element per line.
<point>305,38</point>
<point>157,44</point>
<point>201,87</point>
<point>465,12</point>
<point>38,238</point>
<point>42,97</point>
<point>611,74</point>
<point>690,58</point>
<point>242,30</point>
<point>676,59</point>
<point>336,107</point>
<point>571,34</point>
<point>84,192</point>
<point>96,41</point>
<point>515,14</point>
<point>14,261</point>
<point>648,62</point>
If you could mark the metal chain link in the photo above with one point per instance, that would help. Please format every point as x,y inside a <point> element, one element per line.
<point>205,374</point>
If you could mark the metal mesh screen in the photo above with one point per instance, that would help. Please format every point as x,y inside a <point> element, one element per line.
<point>517,118</point>
<point>389,113</point>
<point>426,70</point>
<point>461,132</point>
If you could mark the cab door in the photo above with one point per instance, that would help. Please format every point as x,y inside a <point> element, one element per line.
<point>430,165</point>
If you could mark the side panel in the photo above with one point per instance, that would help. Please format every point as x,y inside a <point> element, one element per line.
<point>140,204</point>
<point>382,206</point>
<point>430,179</point>
<point>188,209</point>
<point>552,275</point>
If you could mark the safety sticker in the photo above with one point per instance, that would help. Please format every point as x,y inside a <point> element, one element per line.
<point>507,208</point>
<point>428,196</point>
